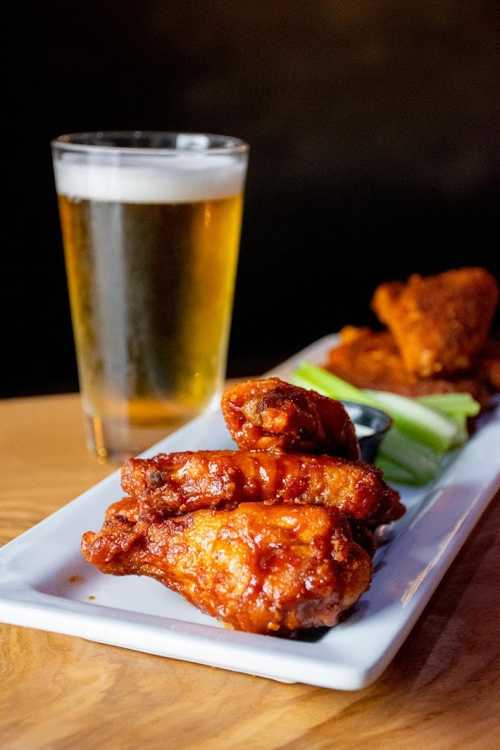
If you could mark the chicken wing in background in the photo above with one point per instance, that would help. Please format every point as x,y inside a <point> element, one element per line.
<point>273,415</point>
<point>257,568</point>
<point>174,483</point>
<point>440,323</point>
<point>489,364</point>
<point>371,359</point>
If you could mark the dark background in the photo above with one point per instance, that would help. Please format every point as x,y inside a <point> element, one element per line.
<point>375,135</point>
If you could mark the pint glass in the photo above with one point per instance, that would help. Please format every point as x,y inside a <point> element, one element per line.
<point>151,225</point>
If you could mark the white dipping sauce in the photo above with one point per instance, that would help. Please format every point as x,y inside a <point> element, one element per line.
<point>362,430</point>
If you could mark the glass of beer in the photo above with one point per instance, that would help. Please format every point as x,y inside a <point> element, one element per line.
<point>151,225</point>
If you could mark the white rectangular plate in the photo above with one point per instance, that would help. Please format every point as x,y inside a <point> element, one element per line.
<point>45,584</point>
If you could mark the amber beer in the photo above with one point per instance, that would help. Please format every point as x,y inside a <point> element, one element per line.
<point>151,253</point>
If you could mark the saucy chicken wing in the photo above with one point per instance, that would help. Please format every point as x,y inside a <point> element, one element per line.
<point>371,359</point>
<point>262,569</point>
<point>174,483</point>
<point>273,415</point>
<point>440,323</point>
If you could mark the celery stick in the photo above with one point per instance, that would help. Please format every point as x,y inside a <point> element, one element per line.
<point>452,404</point>
<point>419,422</point>
<point>393,472</point>
<point>297,379</point>
<point>312,376</point>
<point>420,461</point>
<point>462,435</point>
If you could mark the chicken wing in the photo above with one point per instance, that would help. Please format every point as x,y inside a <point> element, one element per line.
<point>257,568</point>
<point>273,415</point>
<point>490,364</point>
<point>371,359</point>
<point>174,483</point>
<point>441,322</point>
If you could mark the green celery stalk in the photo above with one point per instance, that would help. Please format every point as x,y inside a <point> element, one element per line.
<point>312,376</point>
<point>421,423</point>
<point>462,435</point>
<point>394,472</point>
<point>417,459</point>
<point>452,404</point>
<point>297,379</point>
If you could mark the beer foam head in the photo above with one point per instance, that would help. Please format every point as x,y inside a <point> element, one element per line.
<point>185,178</point>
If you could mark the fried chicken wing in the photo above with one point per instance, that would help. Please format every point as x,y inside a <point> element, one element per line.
<point>489,364</point>
<point>175,483</point>
<point>257,568</point>
<point>371,359</point>
<point>440,323</point>
<point>273,415</point>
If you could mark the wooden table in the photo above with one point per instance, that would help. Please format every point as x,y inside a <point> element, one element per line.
<point>62,693</point>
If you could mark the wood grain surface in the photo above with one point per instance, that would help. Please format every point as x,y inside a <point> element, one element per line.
<point>63,693</point>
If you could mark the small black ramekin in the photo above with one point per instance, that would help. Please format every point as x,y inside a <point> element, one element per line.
<point>377,420</point>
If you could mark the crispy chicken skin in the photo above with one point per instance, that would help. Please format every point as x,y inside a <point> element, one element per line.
<point>273,415</point>
<point>440,323</point>
<point>371,359</point>
<point>261,569</point>
<point>176,483</point>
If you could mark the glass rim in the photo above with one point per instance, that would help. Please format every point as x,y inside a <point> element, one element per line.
<point>69,142</point>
